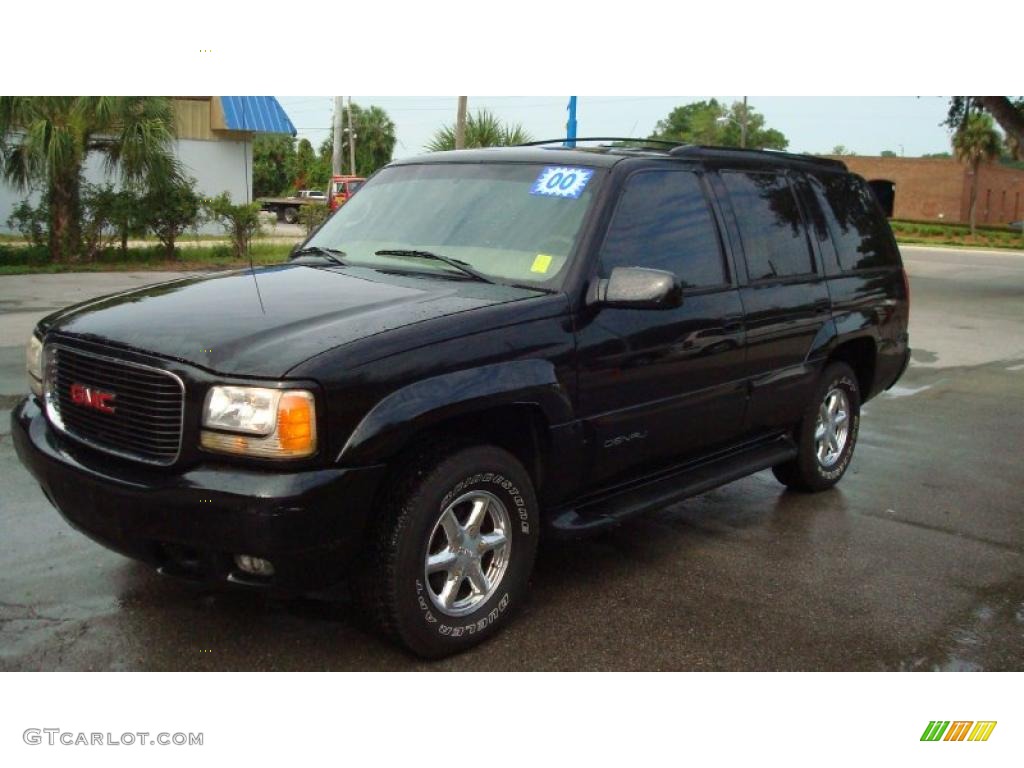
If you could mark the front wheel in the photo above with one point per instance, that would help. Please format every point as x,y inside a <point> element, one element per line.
<point>453,550</point>
<point>827,433</point>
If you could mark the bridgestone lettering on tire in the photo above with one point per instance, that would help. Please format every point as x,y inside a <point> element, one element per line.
<point>453,550</point>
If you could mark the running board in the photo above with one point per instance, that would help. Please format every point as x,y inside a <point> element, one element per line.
<point>608,511</point>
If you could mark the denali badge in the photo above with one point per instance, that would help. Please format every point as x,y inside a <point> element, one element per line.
<point>615,442</point>
<point>92,398</point>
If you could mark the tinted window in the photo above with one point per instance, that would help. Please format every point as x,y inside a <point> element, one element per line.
<point>771,229</point>
<point>487,215</point>
<point>662,221</point>
<point>858,230</point>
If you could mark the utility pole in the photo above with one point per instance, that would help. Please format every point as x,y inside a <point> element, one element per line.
<point>743,125</point>
<point>351,140</point>
<point>460,124</point>
<point>336,153</point>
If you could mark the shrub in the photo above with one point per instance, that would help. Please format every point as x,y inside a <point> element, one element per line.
<point>32,222</point>
<point>312,216</point>
<point>99,205</point>
<point>241,222</point>
<point>169,207</point>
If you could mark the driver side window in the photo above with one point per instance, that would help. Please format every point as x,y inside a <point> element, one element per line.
<point>662,221</point>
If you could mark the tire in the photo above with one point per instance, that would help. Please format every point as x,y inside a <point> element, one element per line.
<point>291,215</point>
<point>818,465</point>
<point>429,514</point>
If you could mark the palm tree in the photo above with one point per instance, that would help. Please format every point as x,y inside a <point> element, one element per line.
<point>483,129</point>
<point>45,140</point>
<point>976,141</point>
<point>375,141</point>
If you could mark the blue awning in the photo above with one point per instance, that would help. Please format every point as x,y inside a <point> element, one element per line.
<point>261,114</point>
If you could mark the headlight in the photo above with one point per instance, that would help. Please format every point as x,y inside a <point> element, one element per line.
<point>269,423</point>
<point>34,364</point>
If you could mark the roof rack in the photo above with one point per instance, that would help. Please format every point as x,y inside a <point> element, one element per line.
<point>695,149</point>
<point>601,138</point>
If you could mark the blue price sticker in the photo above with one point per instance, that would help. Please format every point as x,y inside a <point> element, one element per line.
<point>561,181</point>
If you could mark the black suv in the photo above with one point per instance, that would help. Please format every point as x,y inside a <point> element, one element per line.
<point>479,349</point>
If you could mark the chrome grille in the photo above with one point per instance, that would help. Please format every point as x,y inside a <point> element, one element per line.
<point>148,404</point>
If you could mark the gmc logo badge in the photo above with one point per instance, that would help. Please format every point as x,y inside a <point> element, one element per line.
<point>92,398</point>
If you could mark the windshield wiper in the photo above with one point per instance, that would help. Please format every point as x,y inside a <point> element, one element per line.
<point>455,263</point>
<point>332,255</point>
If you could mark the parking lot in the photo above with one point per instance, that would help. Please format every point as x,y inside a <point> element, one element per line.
<point>915,561</point>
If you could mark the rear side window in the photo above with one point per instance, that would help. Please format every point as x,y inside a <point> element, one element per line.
<point>858,228</point>
<point>662,221</point>
<point>774,241</point>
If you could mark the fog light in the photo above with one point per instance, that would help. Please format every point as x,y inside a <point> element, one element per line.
<point>257,566</point>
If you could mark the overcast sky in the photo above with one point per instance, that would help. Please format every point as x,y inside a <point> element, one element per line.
<point>865,125</point>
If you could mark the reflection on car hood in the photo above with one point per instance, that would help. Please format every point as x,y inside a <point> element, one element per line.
<point>264,322</point>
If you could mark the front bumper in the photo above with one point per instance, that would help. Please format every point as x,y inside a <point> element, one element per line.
<point>191,524</point>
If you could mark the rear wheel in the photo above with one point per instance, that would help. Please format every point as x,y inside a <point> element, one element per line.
<point>827,433</point>
<point>453,550</point>
<point>291,214</point>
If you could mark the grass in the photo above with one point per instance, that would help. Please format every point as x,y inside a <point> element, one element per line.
<point>20,260</point>
<point>16,258</point>
<point>928,233</point>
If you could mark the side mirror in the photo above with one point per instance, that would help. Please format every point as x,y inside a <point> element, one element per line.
<point>637,288</point>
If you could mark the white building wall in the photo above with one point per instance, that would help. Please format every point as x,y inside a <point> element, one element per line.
<point>217,166</point>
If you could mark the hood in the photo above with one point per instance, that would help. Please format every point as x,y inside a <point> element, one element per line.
<point>265,322</point>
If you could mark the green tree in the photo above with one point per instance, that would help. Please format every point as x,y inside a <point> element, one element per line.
<point>100,205</point>
<point>375,140</point>
<point>840,150</point>
<point>312,216</point>
<point>312,171</point>
<point>273,164</point>
<point>1009,113</point>
<point>976,141</point>
<point>45,141</point>
<point>241,222</point>
<point>32,221</point>
<point>170,207</point>
<point>712,123</point>
<point>483,129</point>
<point>888,153</point>
<point>127,216</point>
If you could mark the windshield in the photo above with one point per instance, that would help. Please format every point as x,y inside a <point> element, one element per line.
<point>512,222</point>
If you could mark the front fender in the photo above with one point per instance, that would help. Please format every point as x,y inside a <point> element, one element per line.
<point>387,427</point>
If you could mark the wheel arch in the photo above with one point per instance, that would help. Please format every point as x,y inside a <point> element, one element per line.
<point>512,405</point>
<point>861,354</point>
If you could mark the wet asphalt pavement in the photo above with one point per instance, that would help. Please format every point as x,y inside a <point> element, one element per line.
<point>915,561</point>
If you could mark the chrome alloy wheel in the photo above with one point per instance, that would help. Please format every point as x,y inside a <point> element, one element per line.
<point>468,553</point>
<point>833,427</point>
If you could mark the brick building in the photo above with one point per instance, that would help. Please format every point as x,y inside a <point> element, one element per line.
<point>939,189</point>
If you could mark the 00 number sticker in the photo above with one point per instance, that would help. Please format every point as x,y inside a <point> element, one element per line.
<point>561,181</point>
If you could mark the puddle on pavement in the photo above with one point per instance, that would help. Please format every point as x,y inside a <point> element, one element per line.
<point>900,391</point>
<point>989,637</point>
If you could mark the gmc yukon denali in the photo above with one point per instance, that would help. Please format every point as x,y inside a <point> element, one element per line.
<point>479,349</point>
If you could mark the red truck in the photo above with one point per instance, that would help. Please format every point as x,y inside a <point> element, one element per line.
<point>342,188</point>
